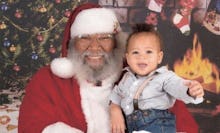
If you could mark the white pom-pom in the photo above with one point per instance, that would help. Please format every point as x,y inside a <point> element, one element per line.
<point>62,67</point>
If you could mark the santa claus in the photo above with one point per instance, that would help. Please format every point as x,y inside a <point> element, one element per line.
<point>71,95</point>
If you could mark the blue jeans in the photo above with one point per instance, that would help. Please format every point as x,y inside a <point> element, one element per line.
<point>152,120</point>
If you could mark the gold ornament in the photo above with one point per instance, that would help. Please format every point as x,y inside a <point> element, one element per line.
<point>12,48</point>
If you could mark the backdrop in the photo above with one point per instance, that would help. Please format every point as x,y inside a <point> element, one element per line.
<point>31,33</point>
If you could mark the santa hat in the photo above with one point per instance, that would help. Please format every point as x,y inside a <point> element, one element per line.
<point>85,19</point>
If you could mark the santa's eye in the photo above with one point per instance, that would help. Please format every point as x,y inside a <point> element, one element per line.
<point>84,37</point>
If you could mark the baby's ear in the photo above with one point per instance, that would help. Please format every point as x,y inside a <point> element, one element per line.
<point>160,57</point>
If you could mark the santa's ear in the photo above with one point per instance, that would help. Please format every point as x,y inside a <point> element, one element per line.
<point>121,40</point>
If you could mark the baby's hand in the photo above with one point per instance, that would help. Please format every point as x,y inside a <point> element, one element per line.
<point>195,88</point>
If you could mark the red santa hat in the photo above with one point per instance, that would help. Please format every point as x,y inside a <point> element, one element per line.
<point>85,19</point>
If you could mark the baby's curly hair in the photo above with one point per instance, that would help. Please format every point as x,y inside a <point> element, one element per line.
<point>139,28</point>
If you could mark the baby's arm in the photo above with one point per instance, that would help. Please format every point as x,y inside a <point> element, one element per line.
<point>117,119</point>
<point>189,91</point>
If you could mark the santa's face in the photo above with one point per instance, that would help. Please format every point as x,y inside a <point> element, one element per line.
<point>94,48</point>
<point>95,56</point>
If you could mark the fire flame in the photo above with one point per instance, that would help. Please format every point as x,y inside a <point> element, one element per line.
<point>194,67</point>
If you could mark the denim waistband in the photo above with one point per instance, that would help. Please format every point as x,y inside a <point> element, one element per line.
<point>148,112</point>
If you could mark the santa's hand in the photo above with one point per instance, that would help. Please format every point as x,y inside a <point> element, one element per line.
<point>60,127</point>
<point>195,88</point>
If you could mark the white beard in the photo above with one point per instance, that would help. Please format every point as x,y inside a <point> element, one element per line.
<point>95,99</point>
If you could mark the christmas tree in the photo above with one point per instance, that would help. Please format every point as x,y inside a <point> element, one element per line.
<point>30,36</point>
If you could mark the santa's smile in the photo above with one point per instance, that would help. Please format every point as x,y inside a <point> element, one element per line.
<point>94,57</point>
<point>95,61</point>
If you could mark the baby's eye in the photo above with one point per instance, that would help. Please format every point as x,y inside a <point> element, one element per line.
<point>134,52</point>
<point>149,51</point>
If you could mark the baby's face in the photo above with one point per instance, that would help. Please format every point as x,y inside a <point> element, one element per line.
<point>143,53</point>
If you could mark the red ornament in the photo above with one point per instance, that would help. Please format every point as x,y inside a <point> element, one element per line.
<point>18,14</point>
<point>16,68</point>
<point>67,13</point>
<point>40,38</point>
<point>58,1</point>
<point>52,50</point>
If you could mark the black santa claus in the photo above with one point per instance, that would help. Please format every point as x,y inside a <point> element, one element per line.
<point>69,96</point>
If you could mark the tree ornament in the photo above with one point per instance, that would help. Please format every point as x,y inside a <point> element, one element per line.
<point>12,48</point>
<point>3,25</point>
<point>34,55</point>
<point>51,20</point>
<point>42,9</point>
<point>67,13</point>
<point>18,14</point>
<point>58,1</point>
<point>56,36</point>
<point>4,6</point>
<point>40,38</point>
<point>16,67</point>
<point>6,42</point>
<point>52,50</point>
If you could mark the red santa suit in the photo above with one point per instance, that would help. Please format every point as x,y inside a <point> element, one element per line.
<point>58,101</point>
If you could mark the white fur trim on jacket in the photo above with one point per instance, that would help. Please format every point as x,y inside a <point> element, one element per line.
<point>60,127</point>
<point>95,20</point>
<point>95,104</point>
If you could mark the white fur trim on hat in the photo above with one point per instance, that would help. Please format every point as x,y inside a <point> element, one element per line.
<point>62,67</point>
<point>95,20</point>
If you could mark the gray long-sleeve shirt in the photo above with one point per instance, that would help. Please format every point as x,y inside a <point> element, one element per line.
<point>160,93</point>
